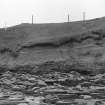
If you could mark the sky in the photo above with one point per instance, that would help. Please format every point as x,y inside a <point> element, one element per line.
<point>13,12</point>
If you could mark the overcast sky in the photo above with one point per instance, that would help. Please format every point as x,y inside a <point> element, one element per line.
<point>48,11</point>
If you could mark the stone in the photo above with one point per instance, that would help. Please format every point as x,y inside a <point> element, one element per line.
<point>41,83</point>
<point>34,100</point>
<point>99,103</point>
<point>85,96</point>
<point>22,104</point>
<point>65,103</point>
<point>16,97</point>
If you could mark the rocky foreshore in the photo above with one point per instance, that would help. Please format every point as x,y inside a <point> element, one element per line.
<point>51,88</point>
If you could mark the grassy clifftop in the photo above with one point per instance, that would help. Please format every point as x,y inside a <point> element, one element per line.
<point>24,34</point>
<point>80,43</point>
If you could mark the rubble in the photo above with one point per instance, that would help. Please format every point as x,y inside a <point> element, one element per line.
<point>55,88</point>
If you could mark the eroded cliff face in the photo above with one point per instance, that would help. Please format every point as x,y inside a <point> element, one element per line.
<point>78,45</point>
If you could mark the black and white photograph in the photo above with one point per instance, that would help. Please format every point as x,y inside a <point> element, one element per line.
<point>52,52</point>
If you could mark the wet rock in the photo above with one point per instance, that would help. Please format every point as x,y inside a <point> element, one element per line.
<point>51,99</point>
<point>99,103</point>
<point>22,104</point>
<point>7,102</point>
<point>16,97</point>
<point>3,96</point>
<point>50,81</point>
<point>67,96</point>
<point>34,100</point>
<point>85,97</point>
<point>41,83</point>
<point>65,103</point>
<point>53,88</point>
<point>18,87</point>
<point>86,84</point>
<point>55,91</point>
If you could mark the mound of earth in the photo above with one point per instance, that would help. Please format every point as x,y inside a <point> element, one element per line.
<point>76,46</point>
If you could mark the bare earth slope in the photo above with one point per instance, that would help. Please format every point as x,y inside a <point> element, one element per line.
<point>81,45</point>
